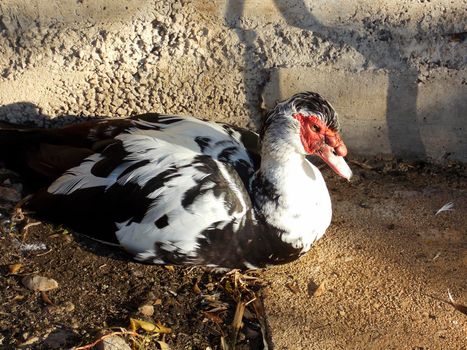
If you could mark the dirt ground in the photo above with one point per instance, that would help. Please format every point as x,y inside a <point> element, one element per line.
<point>379,279</point>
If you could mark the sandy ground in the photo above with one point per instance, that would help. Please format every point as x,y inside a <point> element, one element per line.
<point>386,266</point>
<point>378,280</point>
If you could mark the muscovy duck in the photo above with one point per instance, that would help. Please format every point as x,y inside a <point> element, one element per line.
<point>180,190</point>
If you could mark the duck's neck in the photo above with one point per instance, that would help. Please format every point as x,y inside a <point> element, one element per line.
<point>290,194</point>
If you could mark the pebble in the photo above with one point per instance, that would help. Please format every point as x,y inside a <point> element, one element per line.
<point>58,339</point>
<point>146,310</point>
<point>68,306</point>
<point>137,273</point>
<point>39,283</point>
<point>113,343</point>
<point>9,194</point>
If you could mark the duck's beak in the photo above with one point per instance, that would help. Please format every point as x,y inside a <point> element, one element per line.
<point>334,157</point>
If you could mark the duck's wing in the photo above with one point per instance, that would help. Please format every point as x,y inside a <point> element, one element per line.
<point>155,188</point>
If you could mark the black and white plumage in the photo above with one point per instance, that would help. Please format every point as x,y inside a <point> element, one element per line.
<point>179,190</point>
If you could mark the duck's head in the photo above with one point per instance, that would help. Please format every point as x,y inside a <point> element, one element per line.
<point>308,123</point>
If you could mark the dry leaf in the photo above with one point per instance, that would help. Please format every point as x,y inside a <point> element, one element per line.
<point>46,299</point>
<point>148,326</point>
<point>196,288</point>
<point>169,268</point>
<point>213,317</point>
<point>224,343</point>
<point>39,283</point>
<point>107,337</point>
<point>14,268</point>
<point>163,345</point>
<point>261,316</point>
<point>158,302</point>
<point>293,286</point>
<point>318,292</point>
<point>238,317</point>
<point>18,297</point>
<point>29,341</point>
<point>228,287</point>
<point>237,324</point>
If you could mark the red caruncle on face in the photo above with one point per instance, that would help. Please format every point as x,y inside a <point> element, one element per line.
<point>314,134</point>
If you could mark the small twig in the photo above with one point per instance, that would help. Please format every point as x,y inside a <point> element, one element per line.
<point>237,324</point>
<point>19,214</point>
<point>361,165</point>
<point>47,252</point>
<point>458,307</point>
<point>249,302</point>
<point>26,228</point>
<point>31,224</point>
<point>261,316</point>
<point>88,346</point>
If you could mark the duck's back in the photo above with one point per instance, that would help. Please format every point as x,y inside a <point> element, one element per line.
<point>159,184</point>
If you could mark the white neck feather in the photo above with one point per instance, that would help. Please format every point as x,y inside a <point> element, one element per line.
<point>294,197</point>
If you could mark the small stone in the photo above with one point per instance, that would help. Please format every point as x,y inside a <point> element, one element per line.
<point>39,283</point>
<point>127,77</point>
<point>117,102</point>
<point>137,273</point>
<point>146,310</point>
<point>178,18</point>
<point>53,309</point>
<point>93,81</point>
<point>58,339</point>
<point>68,306</point>
<point>9,194</point>
<point>113,343</point>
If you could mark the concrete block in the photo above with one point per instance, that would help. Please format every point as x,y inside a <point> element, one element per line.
<point>387,111</point>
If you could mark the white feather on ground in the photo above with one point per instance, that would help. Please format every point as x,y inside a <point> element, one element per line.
<point>447,207</point>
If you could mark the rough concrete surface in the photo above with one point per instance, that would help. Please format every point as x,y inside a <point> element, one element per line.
<point>213,59</point>
<point>395,70</point>
<point>385,267</point>
<point>373,123</point>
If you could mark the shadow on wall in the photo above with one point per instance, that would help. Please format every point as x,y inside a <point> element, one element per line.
<point>13,113</point>
<point>401,119</point>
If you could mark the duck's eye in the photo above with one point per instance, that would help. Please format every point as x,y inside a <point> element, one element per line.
<point>315,128</point>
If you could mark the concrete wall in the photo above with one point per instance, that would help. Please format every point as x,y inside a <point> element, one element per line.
<point>395,70</point>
